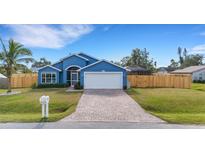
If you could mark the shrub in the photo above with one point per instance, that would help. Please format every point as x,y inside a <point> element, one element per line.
<point>34,86</point>
<point>52,85</point>
<point>198,81</point>
<point>78,86</point>
<point>124,87</point>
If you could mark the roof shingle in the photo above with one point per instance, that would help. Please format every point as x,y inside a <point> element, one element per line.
<point>189,70</point>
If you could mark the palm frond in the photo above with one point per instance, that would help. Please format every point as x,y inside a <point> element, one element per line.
<point>27,60</point>
<point>24,51</point>
<point>2,56</point>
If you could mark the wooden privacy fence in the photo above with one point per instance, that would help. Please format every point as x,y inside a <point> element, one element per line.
<point>143,81</point>
<point>160,81</point>
<point>23,80</point>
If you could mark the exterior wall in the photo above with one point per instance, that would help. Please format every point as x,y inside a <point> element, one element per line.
<point>61,77</point>
<point>91,60</point>
<point>103,67</point>
<point>198,74</point>
<point>48,69</point>
<point>73,60</point>
<point>59,65</point>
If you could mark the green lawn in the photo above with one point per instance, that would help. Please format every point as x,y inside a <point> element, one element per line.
<point>2,91</point>
<point>25,107</point>
<point>173,105</point>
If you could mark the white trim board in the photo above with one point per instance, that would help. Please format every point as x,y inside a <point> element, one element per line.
<point>72,66</point>
<point>50,67</point>
<point>87,55</point>
<point>100,62</point>
<point>61,60</point>
<point>74,55</point>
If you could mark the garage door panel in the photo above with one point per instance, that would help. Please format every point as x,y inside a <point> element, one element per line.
<point>103,80</point>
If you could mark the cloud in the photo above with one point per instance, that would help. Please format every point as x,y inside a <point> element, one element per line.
<point>198,49</point>
<point>48,36</point>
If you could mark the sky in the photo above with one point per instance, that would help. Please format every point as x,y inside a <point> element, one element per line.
<point>110,42</point>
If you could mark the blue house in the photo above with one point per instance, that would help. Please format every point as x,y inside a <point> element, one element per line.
<point>89,71</point>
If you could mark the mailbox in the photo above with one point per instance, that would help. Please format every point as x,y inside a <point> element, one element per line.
<point>44,100</point>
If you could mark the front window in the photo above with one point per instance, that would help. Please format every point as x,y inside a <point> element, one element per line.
<point>48,78</point>
<point>200,76</point>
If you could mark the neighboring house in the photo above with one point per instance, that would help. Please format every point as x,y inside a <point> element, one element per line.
<point>91,72</point>
<point>162,70</point>
<point>137,70</point>
<point>197,72</point>
<point>3,81</point>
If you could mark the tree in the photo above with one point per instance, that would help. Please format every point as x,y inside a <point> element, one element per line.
<point>185,53</point>
<point>116,62</point>
<point>13,57</point>
<point>180,55</point>
<point>139,58</point>
<point>24,69</point>
<point>42,62</point>
<point>174,65</point>
<point>193,60</point>
<point>2,70</point>
<point>126,61</point>
<point>186,60</point>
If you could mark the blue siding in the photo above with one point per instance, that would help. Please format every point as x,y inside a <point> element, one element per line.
<point>103,66</point>
<point>61,77</point>
<point>48,69</point>
<point>91,60</point>
<point>59,65</point>
<point>73,60</point>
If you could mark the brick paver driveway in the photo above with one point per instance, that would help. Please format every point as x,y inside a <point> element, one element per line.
<point>109,105</point>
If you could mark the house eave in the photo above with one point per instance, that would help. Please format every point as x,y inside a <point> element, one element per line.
<point>100,62</point>
<point>50,67</point>
<point>74,55</point>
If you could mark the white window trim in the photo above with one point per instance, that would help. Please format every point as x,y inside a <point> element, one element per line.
<point>72,66</point>
<point>51,77</point>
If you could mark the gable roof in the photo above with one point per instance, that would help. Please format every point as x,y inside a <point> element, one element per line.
<point>88,55</point>
<point>71,56</point>
<point>74,55</point>
<point>100,62</point>
<point>189,70</point>
<point>50,67</point>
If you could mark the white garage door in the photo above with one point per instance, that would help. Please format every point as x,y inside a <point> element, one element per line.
<point>103,80</point>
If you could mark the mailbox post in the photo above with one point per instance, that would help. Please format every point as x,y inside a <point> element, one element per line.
<point>44,100</point>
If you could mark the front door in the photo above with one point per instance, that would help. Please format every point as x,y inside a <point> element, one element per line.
<point>74,78</point>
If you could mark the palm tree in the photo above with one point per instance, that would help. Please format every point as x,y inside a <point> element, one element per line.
<point>185,53</point>
<point>13,57</point>
<point>181,60</point>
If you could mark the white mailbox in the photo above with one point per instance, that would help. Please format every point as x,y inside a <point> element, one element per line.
<point>44,100</point>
